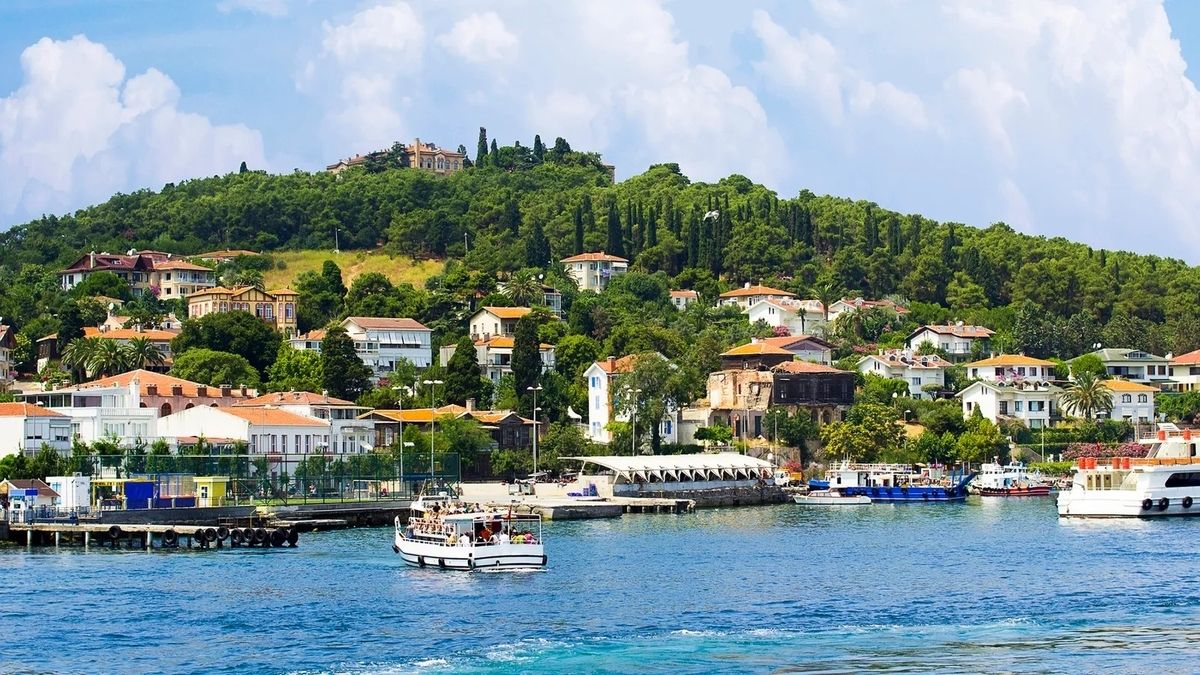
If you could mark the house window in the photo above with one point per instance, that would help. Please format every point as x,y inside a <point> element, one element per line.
<point>289,311</point>
<point>1018,405</point>
<point>1126,398</point>
<point>1142,398</point>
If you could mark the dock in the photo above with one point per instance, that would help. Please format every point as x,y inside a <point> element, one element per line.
<point>150,536</point>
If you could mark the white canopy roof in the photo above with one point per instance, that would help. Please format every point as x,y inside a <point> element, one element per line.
<point>661,468</point>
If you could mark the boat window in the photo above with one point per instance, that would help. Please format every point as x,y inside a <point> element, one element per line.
<point>1184,479</point>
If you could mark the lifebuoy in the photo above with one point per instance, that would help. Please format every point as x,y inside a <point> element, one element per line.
<point>1147,503</point>
<point>1163,504</point>
<point>1187,502</point>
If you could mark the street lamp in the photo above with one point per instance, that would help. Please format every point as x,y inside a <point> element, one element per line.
<point>432,384</point>
<point>906,414</point>
<point>535,391</point>
<point>632,393</point>
<point>399,389</point>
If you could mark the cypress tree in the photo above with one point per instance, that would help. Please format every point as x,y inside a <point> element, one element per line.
<point>342,373</point>
<point>578,229</point>
<point>870,232</point>
<point>243,168</point>
<point>462,373</point>
<point>537,247</point>
<point>615,245</point>
<point>652,228</point>
<point>589,216</point>
<point>693,259</point>
<point>481,149</point>
<point>526,360</point>
<point>895,239</point>
<point>510,218</point>
<point>494,154</point>
<point>539,150</point>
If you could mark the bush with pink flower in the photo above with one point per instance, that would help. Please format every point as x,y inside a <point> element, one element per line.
<point>1104,450</point>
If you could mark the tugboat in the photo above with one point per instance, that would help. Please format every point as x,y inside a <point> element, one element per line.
<point>1009,480</point>
<point>447,534</point>
<point>896,483</point>
<point>1166,482</point>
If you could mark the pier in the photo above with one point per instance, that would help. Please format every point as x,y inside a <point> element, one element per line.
<point>150,536</point>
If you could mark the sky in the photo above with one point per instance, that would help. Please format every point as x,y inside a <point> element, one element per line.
<point>1059,117</point>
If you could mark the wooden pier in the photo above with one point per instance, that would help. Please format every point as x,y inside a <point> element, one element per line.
<point>149,536</point>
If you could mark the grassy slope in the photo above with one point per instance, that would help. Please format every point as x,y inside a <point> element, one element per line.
<point>353,263</point>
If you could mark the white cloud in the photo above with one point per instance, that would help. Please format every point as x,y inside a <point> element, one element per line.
<point>479,38</point>
<point>77,130</point>
<point>274,8</point>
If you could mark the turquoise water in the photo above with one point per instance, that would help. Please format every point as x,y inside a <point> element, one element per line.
<point>986,586</point>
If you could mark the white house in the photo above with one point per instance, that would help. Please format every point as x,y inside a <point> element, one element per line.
<point>27,494</point>
<point>1033,402</point>
<point>1185,372</point>
<point>804,347</point>
<point>380,342</point>
<point>799,317</point>
<point>1011,369</point>
<point>25,428</point>
<point>1135,365</point>
<point>283,437</point>
<point>681,299</point>
<point>1132,401</point>
<point>957,340</point>
<point>349,434</point>
<point>551,298</point>
<point>105,410</point>
<point>844,305</point>
<point>489,321</point>
<point>593,271</point>
<point>747,295</point>
<point>601,379</point>
<point>904,364</point>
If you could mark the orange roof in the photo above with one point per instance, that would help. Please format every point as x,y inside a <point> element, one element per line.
<point>685,294</point>
<point>756,290</point>
<point>787,340</point>
<point>958,331</point>
<point>317,334</point>
<point>130,333</point>
<point>806,367</point>
<point>294,398</point>
<point>508,312</point>
<point>282,291</point>
<point>163,382</point>
<point>759,348</point>
<point>594,257</point>
<point>420,415</point>
<point>1010,360</point>
<point>274,417</point>
<point>621,365</point>
<point>386,323</point>
<point>26,410</point>
<point>901,357</point>
<point>506,342</point>
<point>1191,358</point>
<point>1127,386</point>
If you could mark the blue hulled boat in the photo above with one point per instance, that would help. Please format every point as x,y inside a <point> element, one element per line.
<point>897,483</point>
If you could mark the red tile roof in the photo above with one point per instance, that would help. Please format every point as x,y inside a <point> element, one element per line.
<point>294,398</point>
<point>508,312</point>
<point>756,290</point>
<point>594,257</point>
<point>956,330</point>
<point>29,484</point>
<point>386,323</point>
<point>806,367</point>
<point>26,410</point>
<point>164,383</point>
<point>273,417</point>
<point>1191,358</point>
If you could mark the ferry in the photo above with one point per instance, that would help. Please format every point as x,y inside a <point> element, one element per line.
<point>885,483</point>
<point>830,498</point>
<point>1008,480</point>
<point>1166,482</point>
<point>446,534</point>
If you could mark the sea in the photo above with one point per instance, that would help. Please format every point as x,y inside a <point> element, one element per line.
<point>992,585</point>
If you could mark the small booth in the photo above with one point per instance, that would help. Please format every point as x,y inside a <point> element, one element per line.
<point>211,490</point>
<point>74,492</point>
<point>117,494</point>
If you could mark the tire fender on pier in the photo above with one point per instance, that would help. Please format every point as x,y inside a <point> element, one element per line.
<point>114,532</point>
<point>235,537</point>
<point>222,533</point>
<point>293,536</point>
<point>210,534</point>
<point>395,548</point>
<point>170,539</point>
<point>278,538</point>
<point>260,536</point>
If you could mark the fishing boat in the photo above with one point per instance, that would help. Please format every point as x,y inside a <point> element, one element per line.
<point>1008,480</point>
<point>447,534</point>
<point>885,483</point>
<point>830,498</point>
<point>1166,482</point>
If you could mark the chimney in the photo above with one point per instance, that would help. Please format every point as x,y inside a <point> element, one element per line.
<point>202,391</point>
<point>746,285</point>
<point>92,259</point>
<point>152,390</point>
<point>470,405</point>
<point>177,390</point>
<point>612,363</point>
<point>226,390</point>
<point>753,340</point>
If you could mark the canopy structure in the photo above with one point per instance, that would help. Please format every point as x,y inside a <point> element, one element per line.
<point>725,466</point>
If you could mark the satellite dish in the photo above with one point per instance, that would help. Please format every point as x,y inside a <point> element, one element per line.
<point>572,414</point>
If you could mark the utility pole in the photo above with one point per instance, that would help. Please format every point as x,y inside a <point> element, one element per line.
<point>535,391</point>
<point>432,384</point>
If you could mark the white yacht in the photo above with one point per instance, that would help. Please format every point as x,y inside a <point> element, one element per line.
<point>1164,483</point>
<point>830,498</point>
<point>1008,480</point>
<point>447,534</point>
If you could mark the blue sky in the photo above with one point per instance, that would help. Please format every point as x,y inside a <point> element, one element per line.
<point>1060,117</point>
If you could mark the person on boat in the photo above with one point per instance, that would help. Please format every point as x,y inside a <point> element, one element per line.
<point>485,534</point>
<point>464,540</point>
<point>502,538</point>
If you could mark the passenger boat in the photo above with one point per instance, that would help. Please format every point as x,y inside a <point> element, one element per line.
<point>1008,480</point>
<point>1166,482</point>
<point>897,483</point>
<point>447,534</point>
<point>830,498</point>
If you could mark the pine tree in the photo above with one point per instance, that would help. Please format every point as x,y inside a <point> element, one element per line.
<point>537,247</point>
<point>462,373</point>
<point>510,218</point>
<point>627,238</point>
<point>342,373</point>
<point>539,150</point>
<point>895,239</point>
<point>615,245</point>
<point>578,230</point>
<point>481,149</point>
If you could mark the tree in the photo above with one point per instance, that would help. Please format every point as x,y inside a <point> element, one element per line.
<point>320,296</point>
<point>1087,396</point>
<point>510,217</point>
<point>77,357</point>
<point>721,434</point>
<point>103,283</point>
<point>343,374</point>
<point>214,368</point>
<point>481,148</point>
<point>462,373</point>
<point>539,149</point>
<point>537,247</point>
<point>1090,364</point>
<point>239,333</point>
<point>108,358</point>
<point>523,289</point>
<point>243,168</point>
<point>578,222</point>
<point>883,390</point>
<point>526,356</point>
<point>574,354</point>
<point>870,430</point>
<point>981,441</point>
<point>653,387</point>
<point>295,370</point>
<point>616,244</point>
<point>70,324</point>
<point>140,352</point>
<point>373,294</point>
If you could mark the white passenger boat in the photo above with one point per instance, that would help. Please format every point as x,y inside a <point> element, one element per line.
<point>830,498</point>
<point>1008,480</point>
<point>446,534</point>
<point>1164,483</point>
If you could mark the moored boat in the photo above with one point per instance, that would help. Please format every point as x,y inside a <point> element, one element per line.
<point>830,498</point>
<point>1166,482</point>
<point>897,483</point>
<point>1008,480</point>
<point>446,534</point>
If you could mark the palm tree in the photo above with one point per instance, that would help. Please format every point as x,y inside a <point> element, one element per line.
<point>77,357</point>
<point>523,289</point>
<point>827,292</point>
<point>109,358</point>
<point>1087,396</point>
<point>140,352</point>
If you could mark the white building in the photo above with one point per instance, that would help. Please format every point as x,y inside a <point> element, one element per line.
<point>491,321</point>
<point>551,298</point>
<point>1132,401</point>
<point>1135,365</point>
<point>74,492</point>
<point>27,494</point>
<point>494,356</point>
<point>799,317</point>
<point>1033,402</point>
<point>8,342</point>
<point>1185,372</point>
<point>25,428</point>
<point>747,295</point>
<point>601,379</point>
<point>957,340</point>
<point>380,342</point>
<point>106,410</point>
<point>904,364</point>
<point>349,434</point>
<point>283,437</point>
<point>844,305</point>
<point>804,347</point>
<point>681,299</point>
<point>593,271</point>
<point>1011,369</point>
